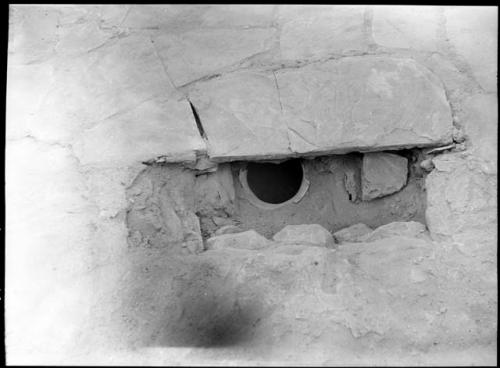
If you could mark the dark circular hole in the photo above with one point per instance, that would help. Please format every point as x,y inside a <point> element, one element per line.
<point>275,183</point>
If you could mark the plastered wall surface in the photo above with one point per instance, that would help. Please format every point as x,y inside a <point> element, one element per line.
<point>94,91</point>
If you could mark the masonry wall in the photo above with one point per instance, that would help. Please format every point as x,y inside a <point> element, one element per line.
<point>94,91</point>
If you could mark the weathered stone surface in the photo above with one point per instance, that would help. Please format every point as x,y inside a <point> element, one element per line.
<point>410,229</point>
<point>241,15</point>
<point>161,212</point>
<point>227,229</point>
<point>382,174</point>
<point>363,103</point>
<point>473,32</point>
<point>240,114</point>
<point>244,240</point>
<point>195,54</point>
<point>155,128</point>
<point>480,123</point>
<point>352,233</point>
<point>394,300</point>
<point>331,107</point>
<point>462,204</point>
<point>86,296</point>
<point>312,31</point>
<point>308,234</point>
<point>410,27</point>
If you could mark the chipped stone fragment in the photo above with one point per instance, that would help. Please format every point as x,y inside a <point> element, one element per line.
<point>227,229</point>
<point>309,234</point>
<point>427,165</point>
<point>382,174</point>
<point>411,229</point>
<point>352,233</point>
<point>245,240</point>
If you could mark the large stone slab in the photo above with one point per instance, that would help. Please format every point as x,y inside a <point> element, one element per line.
<point>352,104</point>
<point>363,103</point>
<point>241,116</point>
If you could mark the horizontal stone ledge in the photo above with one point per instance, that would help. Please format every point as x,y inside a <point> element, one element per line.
<point>368,103</point>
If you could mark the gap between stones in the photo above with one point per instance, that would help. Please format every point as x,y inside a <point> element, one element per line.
<point>199,125</point>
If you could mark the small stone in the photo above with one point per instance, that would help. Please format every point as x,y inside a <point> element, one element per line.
<point>310,234</point>
<point>458,135</point>
<point>382,174</point>
<point>245,240</point>
<point>222,221</point>
<point>352,233</point>
<point>227,229</point>
<point>411,229</point>
<point>427,165</point>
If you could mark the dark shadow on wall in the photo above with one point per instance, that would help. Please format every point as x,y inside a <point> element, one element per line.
<point>187,302</point>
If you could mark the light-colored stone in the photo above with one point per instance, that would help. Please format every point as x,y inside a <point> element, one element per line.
<point>410,229</point>
<point>382,174</point>
<point>240,114</point>
<point>241,15</point>
<point>273,300</point>
<point>427,165</point>
<point>332,107</point>
<point>308,234</point>
<point>352,233</point>
<point>198,53</point>
<point>250,239</point>
<point>473,33</point>
<point>363,103</point>
<point>462,203</point>
<point>228,229</point>
<point>409,27</point>
<point>480,123</point>
<point>155,128</point>
<point>312,31</point>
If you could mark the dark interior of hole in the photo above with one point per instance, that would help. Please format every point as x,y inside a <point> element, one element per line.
<point>275,183</point>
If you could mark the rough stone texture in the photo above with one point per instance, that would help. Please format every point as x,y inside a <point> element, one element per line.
<point>363,103</point>
<point>329,204</point>
<point>391,301</point>
<point>198,53</point>
<point>312,31</point>
<point>481,127</point>
<point>241,116</point>
<point>307,234</point>
<point>245,240</point>
<point>473,32</point>
<point>462,204</point>
<point>394,26</point>
<point>410,229</point>
<point>155,128</point>
<point>214,197</point>
<point>351,233</point>
<point>227,229</point>
<point>354,103</point>
<point>84,295</point>
<point>161,213</point>
<point>382,174</point>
